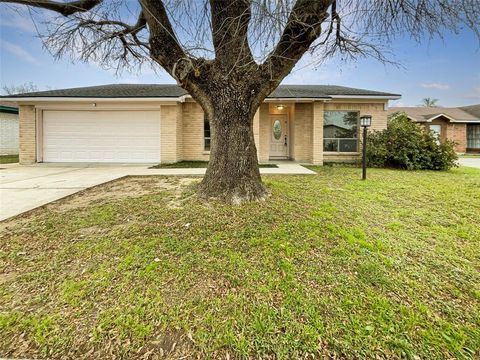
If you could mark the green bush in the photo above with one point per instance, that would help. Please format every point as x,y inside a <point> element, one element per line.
<point>406,145</point>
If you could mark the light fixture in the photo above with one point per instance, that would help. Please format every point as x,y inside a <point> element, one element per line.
<point>94,104</point>
<point>365,120</point>
<point>280,107</point>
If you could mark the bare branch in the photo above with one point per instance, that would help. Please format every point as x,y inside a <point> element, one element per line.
<point>65,9</point>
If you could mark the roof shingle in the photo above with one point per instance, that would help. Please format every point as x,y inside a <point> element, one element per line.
<point>422,113</point>
<point>174,91</point>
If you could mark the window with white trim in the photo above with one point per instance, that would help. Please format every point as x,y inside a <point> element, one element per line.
<point>340,131</point>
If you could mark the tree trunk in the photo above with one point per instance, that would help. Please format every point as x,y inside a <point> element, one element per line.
<point>232,175</point>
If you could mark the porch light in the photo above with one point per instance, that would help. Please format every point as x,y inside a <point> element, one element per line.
<point>280,107</point>
<point>365,122</point>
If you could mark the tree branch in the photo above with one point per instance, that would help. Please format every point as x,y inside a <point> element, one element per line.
<point>65,9</point>
<point>302,29</point>
<point>230,32</point>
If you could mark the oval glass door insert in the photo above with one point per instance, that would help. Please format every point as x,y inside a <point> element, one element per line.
<point>277,129</point>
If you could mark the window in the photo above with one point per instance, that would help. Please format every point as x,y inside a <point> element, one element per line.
<point>340,131</point>
<point>206,133</point>
<point>473,136</point>
<point>436,131</point>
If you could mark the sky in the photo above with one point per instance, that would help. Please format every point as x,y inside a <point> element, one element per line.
<point>446,69</point>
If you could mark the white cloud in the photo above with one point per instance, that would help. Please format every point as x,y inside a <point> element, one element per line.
<point>436,86</point>
<point>473,94</point>
<point>18,51</point>
<point>16,21</point>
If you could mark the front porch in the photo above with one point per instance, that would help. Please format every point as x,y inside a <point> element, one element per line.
<point>313,132</point>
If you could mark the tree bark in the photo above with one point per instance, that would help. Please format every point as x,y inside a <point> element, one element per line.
<point>232,175</point>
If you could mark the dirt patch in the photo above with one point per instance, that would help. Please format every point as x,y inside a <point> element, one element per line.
<point>127,187</point>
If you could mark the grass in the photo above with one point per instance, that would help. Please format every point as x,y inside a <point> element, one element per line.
<point>329,267</point>
<point>8,159</point>
<point>197,164</point>
<point>469,156</point>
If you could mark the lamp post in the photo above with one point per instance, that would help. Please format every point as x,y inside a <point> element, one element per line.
<point>365,122</point>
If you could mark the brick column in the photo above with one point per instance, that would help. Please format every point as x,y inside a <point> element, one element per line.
<point>28,139</point>
<point>169,142</point>
<point>317,133</point>
<point>256,131</point>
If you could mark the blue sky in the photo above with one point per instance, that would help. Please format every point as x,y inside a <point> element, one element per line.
<point>447,69</point>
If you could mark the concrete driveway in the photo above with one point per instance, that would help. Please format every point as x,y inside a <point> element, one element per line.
<point>23,188</point>
<point>470,162</point>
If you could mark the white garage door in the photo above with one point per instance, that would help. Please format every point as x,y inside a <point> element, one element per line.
<point>101,136</point>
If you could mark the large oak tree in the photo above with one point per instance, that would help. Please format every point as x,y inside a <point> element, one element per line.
<point>230,54</point>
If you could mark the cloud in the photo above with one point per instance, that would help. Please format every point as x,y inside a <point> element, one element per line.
<point>16,21</point>
<point>436,86</point>
<point>18,51</point>
<point>473,94</point>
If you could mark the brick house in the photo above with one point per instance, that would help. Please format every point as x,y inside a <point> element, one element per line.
<point>161,123</point>
<point>460,125</point>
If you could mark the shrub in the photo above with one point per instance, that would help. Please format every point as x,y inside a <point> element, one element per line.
<point>406,145</point>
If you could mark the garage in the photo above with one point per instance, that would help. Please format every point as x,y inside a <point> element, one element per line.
<point>101,136</point>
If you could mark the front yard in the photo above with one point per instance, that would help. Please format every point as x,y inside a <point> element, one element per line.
<point>329,266</point>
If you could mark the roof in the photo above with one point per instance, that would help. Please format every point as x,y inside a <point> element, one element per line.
<point>175,92</point>
<point>428,114</point>
<point>472,109</point>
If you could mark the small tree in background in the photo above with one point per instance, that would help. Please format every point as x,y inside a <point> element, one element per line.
<point>19,89</point>
<point>429,102</point>
<point>406,145</point>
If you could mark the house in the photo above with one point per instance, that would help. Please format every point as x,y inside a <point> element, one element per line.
<point>460,125</point>
<point>8,128</point>
<point>161,123</point>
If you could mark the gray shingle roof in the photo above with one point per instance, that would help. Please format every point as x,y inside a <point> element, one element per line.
<point>421,113</point>
<point>174,91</point>
<point>472,109</point>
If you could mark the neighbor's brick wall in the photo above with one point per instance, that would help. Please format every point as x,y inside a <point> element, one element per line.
<point>458,134</point>
<point>193,142</point>
<point>27,134</point>
<point>302,129</point>
<point>8,134</point>
<point>452,132</point>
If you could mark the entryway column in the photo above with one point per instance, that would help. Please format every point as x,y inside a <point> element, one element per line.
<point>256,131</point>
<point>317,133</point>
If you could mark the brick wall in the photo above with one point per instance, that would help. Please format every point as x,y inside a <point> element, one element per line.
<point>8,134</point>
<point>453,132</point>
<point>170,139</point>
<point>193,141</point>
<point>27,134</point>
<point>458,134</point>
<point>302,124</point>
<point>264,136</point>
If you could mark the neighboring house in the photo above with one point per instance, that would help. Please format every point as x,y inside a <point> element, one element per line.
<point>161,123</point>
<point>455,124</point>
<point>8,128</point>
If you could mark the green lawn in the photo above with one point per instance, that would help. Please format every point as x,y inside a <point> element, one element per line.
<point>8,159</point>
<point>328,267</point>
<point>197,164</point>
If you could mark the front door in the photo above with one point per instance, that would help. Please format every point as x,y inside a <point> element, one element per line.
<point>279,141</point>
